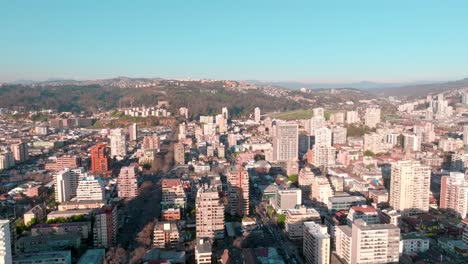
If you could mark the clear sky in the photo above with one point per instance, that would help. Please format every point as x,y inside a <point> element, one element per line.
<point>317,41</point>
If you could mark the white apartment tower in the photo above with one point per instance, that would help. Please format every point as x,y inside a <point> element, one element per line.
<point>5,242</point>
<point>316,244</point>
<point>118,143</point>
<point>352,117</point>
<point>133,132</point>
<point>363,243</point>
<point>90,189</point>
<point>409,187</point>
<point>127,185</point>
<point>372,117</point>
<point>286,142</point>
<point>238,185</point>
<point>454,193</point>
<point>257,115</point>
<point>209,213</point>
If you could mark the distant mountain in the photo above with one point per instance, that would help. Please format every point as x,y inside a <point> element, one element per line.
<point>364,85</point>
<point>420,90</point>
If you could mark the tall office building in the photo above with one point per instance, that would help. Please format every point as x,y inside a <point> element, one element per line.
<point>238,185</point>
<point>118,143</point>
<point>364,243</point>
<point>323,137</point>
<point>127,185</point>
<point>285,142</point>
<point>133,132</point>
<point>257,115</point>
<point>352,117</point>
<point>324,156</point>
<point>5,242</point>
<point>409,187</point>
<point>225,113</point>
<point>316,243</point>
<point>173,194</point>
<point>100,160</point>
<point>63,189</point>
<point>315,123</point>
<point>372,117</point>
<point>209,213</point>
<point>179,153</point>
<point>90,188</point>
<point>20,152</point>
<point>339,135</point>
<point>105,227</point>
<point>454,193</point>
<point>151,142</point>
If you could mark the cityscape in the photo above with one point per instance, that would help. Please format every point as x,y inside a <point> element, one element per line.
<point>147,151</point>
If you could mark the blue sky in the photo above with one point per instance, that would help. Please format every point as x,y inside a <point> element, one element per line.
<point>316,41</point>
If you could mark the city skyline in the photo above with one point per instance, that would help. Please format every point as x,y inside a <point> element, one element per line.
<point>304,41</point>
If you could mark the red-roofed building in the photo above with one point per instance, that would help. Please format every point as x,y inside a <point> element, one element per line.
<point>364,212</point>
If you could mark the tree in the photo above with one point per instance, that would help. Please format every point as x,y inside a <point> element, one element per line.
<point>368,153</point>
<point>280,220</point>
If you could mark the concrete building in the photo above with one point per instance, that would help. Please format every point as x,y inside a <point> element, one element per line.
<point>29,244</point>
<point>372,117</point>
<point>287,199</point>
<point>63,189</point>
<point>363,243</point>
<point>323,137</point>
<point>90,188</point>
<point>454,193</point>
<point>63,162</point>
<point>316,243</point>
<point>37,212</point>
<point>105,227</point>
<point>151,142</point>
<point>225,113</point>
<point>173,195</point>
<point>465,135</point>
<point>364,212</point>
<point>339,135</point>
<point>286,142</point>
<point>118,143</point>
<point>459,161</point>
<point>127,184</point>
<point>304,180</point>
<point>203,251</point>
<point>344,202</point>
<point>183,111</point>
<point>352,117</point>
<point>20,152</point>
<point>50,257</point>
<point>295,219</point>
<point>257,115</point>
<point>133,132</point>
<point>165,235</point>
<point>5,242</point>
<point>179,153</point>
<point>100,159</point>
<point>321,190</point>
<point>209,213</point>
<point>410,187</point>
<point>83,229</point>
<point>93,256</point>
<point>238,187</point>
<point>6,160</point>
<point>324,156</point>
<point>415,242</point>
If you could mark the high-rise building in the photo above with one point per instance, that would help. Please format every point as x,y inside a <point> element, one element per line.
<point>321,190</point>
<point>409,187</point>
<point>352,117</point>
<point>179,153</point>
<point>454,193</point>
<point>238,185</point>
<point>183,111</point>
<point>90,188</point>
<point>323,137</point>
<point>20,152</point>
<point>118,143</point>
<point>225,113</point>
<point>363,243</point>
<point>459,161</point>
<point>100,160</point>
<point>127,184</point>
<point>316,243</point>
<point>324,156</point>
<point>367,213</point>
<point>257,115</point>
<point>285,142</point>
<point>6,160</point>
<point>374,142</point>
<point>105,227</point>
<point>295,219</point>
<point>5,242</point>
<point>151,142</point>
<point>372,117</point>
<point>173,195</point>
<point>63,162</point>
<point>209,213</point>
<point>315,123</point>
<point>63,189</point>
<point>304,180</point>
<point>133,132</point>
<point>339,135</point>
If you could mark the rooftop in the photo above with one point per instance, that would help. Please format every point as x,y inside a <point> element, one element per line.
<point>92,256</point>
